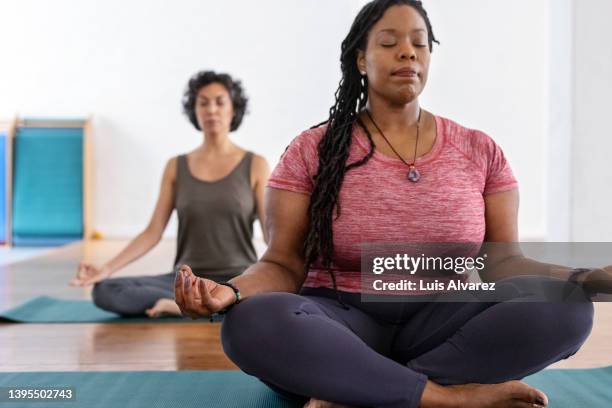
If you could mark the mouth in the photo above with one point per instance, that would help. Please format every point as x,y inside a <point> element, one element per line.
<point>406,72</point>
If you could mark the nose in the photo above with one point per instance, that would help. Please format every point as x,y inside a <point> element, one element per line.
<point>407,52</point>
<point>211,108</point>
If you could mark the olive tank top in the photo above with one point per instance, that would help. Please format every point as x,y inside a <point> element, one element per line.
<point>215,231</point>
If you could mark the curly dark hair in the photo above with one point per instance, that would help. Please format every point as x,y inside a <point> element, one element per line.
<point>351,97</point>
<point>233,86</point>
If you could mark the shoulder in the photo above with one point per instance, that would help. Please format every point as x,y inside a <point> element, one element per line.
<point>171,165</point>
<point>170,171</point>
<point>259,165</point>
<point>475,144</point>
<point>311,136</point>
<point>305,144</point>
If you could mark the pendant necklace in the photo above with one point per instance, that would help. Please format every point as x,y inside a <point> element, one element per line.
<point>413,173</point>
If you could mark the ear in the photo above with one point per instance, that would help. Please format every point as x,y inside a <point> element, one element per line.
<point>361,63</point>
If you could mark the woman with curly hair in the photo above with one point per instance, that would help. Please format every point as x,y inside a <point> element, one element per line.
<point>217,190</point>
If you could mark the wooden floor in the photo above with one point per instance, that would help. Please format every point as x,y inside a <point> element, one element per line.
<point>99,347</point>
<point>147,346</point>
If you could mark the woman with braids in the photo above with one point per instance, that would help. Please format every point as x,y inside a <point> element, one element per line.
<point>382,169</point>
<point>217,190</point>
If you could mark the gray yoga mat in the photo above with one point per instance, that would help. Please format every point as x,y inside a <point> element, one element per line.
<point>45,309</point>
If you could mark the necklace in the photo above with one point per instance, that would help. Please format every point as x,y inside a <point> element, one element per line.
<point>413,173</point>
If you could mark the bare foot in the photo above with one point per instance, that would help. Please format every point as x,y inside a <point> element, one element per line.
<point>509,394</point>
<point>164,307</point>
<point>315,403</point>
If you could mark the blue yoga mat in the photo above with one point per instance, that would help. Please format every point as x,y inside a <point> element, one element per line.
<point>44,241</point>
<point>152,389</point>
<point>3,187</point>
<point>575,388</point>
<point>48,184</point>
<point>45,309</point>
<point>229,389</point>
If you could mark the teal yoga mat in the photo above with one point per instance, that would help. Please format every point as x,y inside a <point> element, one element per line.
<point>152,389</point>
<point>577,388</point>
<point>45,309</point>
<point>48,184</point>
<point>233,389</point>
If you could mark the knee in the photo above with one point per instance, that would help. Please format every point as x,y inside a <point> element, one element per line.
<point>100,293</point>
<point>569,322</point>
<point>255,326</point>
<point>579,321</point>
<point>104,295</point>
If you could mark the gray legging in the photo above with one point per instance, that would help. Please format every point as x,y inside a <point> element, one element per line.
<point>381,354</point>
<point>131,296</point>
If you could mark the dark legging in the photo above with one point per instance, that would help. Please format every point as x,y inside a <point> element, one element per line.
<point>380,354</point>
<point>131,296</point>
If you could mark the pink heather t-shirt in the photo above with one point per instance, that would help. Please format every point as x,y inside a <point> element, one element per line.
<point>379,204</point>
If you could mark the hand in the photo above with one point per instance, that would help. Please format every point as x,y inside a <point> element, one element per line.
<point>199,297</point>
<point>87,274</point>
<point>598,280</point>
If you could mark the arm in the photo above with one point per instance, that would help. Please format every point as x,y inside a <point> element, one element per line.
<point>281,268</point>
<point>143,242</point>
<point>501,217</point>
<point>260,172</point>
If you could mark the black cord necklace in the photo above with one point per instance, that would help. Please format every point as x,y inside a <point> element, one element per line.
<point>413,173</point>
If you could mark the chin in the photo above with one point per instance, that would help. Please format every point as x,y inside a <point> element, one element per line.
<point>403,98</point>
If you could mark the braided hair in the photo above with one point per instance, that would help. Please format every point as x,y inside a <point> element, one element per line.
<point>333,149</point>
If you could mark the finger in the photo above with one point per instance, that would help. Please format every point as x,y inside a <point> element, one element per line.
<point>78,281</point>
<point>188,293</point>
<point>179,292</point>
<point>187,270</point>
<point>196,297</point>
<point>84,271</point>
<point>211,302</point>
<point>81,270</point>
<point>199,289</point>
<point>207,301</point>
<point>180,297</point>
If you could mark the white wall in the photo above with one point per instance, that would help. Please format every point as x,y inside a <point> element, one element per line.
<point>491,73</point>
<point>592,142</point>
<point>559,185</point>
<point>127,64</point>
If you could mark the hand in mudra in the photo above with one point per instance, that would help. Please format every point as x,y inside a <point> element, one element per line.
<point>88,274</point>
<point>199,297</point>
<point>598,281</point>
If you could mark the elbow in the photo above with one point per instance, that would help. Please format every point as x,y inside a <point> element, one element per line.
<point>152,235</point>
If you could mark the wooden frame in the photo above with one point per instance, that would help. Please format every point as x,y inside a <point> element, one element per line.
<point>87,181</point>
<point>10,127</point>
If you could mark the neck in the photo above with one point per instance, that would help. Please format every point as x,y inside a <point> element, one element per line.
<point>394,118</point>
<point>217,144</point>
